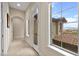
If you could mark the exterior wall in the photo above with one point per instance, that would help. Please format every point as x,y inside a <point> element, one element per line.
<point>0,28</point>
<point>17,18</point>
<point>54,25</point>
<point>53,29</point>
<point>59,28</point>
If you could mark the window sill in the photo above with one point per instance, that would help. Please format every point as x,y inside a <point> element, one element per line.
<point>60,51</point>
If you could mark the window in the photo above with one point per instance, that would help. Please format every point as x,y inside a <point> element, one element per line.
<point>64,25</point>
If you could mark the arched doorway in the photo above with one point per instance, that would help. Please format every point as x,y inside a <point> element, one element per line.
<point>18,27</point>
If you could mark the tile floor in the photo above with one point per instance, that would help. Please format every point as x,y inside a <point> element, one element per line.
<point>20,47</point>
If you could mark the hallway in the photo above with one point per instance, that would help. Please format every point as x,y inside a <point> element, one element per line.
<point>19,47</point>
<point>25,29</point>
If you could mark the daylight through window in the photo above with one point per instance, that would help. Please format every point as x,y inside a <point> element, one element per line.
<point>64,25</point>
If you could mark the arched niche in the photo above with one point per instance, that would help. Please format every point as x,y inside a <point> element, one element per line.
<point>18,27</point>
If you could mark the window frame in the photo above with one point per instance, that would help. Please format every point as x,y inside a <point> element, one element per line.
<point>53,46</point>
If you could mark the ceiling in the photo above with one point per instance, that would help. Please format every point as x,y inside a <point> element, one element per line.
<point>22,5</point>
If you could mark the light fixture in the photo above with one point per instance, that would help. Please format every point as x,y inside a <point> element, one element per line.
<point>18,4</point>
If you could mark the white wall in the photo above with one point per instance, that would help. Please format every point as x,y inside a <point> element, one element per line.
<point>43,38</point>
<point>18,28</point>
<point>17,17</point>
<point>0,28</point>
<point>6,31</point>
<point>29,15</point>
<point>15,12</point>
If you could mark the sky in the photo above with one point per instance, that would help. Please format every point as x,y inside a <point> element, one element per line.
<point>69,11</point>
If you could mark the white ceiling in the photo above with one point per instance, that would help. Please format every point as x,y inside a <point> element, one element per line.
<point>22,7</point>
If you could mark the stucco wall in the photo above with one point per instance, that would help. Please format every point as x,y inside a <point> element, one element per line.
<point>59,28</point>
<point>53,29</point>
<point>53,32</point>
